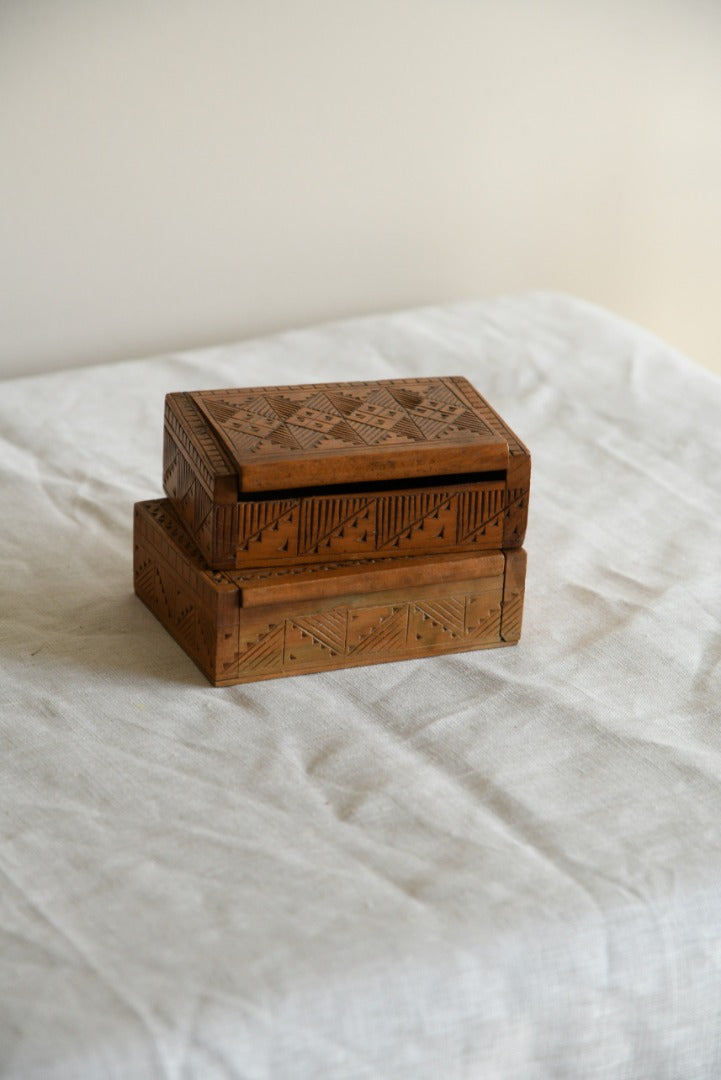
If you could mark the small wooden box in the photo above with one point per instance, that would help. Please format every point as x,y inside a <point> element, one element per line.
<point>240,626</point>
<point>341,471</point>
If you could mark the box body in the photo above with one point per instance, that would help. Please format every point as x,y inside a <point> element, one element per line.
<point>342,471</point>
<point>241,626</point>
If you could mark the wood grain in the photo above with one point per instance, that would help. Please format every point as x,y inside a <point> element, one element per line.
<point>269,623</point>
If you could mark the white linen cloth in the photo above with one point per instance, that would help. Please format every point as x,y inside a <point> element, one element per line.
<point>498,864</point>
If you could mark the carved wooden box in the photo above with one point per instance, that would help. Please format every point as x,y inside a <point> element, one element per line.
<point>239,626</point>
<point>341,471</point>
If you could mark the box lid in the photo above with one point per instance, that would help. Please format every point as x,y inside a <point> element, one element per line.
<point>281,437</point>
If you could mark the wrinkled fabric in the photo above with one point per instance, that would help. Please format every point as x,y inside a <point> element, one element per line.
<point>497,864</point>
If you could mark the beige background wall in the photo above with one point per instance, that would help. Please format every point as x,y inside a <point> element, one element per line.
<point>179,172</point>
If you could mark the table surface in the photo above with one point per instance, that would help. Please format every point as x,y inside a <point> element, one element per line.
<point>496,864</point>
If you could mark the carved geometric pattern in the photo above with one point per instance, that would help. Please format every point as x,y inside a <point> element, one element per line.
<point>378,629</point>
<point>387,630</point>
<point>146,575</point>
<point>512,618</point>
<point>173,581</point>
<point>222,528</point>
<point>478,511</point>
<point>483,619</point>
<point>424,521</point>
<point>264,421</point>
<point>191,496</point>
<point>267,531</point>
<point>324,521</point>
<point>169,539</point>
<point>327,630</point>
<point>446,616</point>
<point>448,620</point>
<point>515,498</point>
<point>261,653</point>
<point>515,514</point>
<point>271,524</point>
<point>174,604</point>
<point>186,429</point>
<point>399,517</point>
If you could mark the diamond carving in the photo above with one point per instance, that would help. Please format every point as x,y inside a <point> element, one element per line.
<point>274,421</point>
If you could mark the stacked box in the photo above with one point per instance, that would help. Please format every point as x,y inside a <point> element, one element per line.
<point>313,527</point>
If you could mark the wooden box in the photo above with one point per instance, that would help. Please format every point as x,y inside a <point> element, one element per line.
<point>239,626</point>
<point>341,471</point>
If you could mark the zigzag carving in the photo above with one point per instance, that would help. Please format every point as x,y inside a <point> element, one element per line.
<point>256,518</point>
<point>327,630</point>
<point>479,510</point>
<point>378,522</point>
<point>322,417</point>
<point>397,515</point>
<point>448,615</point>
<point>388,633</point>
<point>265,651</point>
<point>324,517</point>
<point>488,608</point>
<point>487,630</point>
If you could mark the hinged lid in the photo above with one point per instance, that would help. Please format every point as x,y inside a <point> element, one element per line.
<point>338,433</point>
